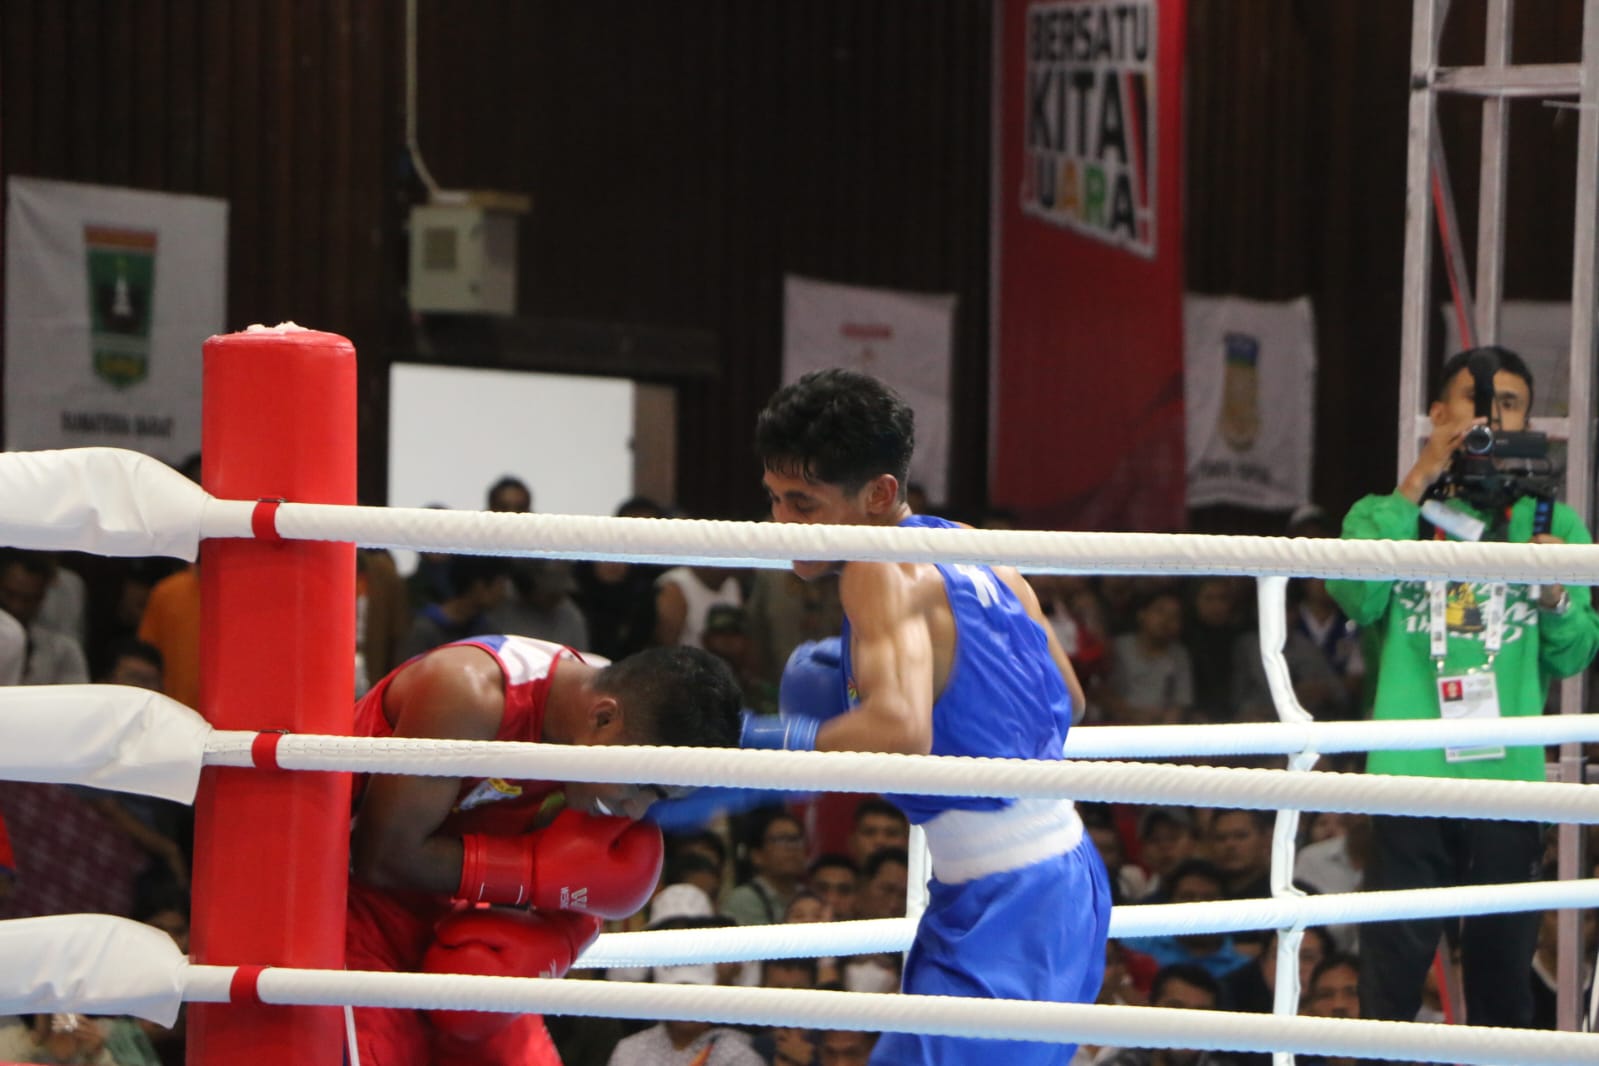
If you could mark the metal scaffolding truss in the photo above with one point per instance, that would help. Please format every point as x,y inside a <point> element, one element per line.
<point>1497,81</point>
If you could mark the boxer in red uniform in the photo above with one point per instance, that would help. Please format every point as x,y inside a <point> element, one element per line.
<point>462,876</point>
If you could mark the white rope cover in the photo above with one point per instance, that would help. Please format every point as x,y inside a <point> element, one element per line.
<point>938,1015</point>
<point>106,736</point>
<point>939,775</point>
<point>669,947</point>
<point>109,501</point>
<point>93,963</point>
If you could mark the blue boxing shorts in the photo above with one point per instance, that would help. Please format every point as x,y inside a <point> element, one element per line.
<point>1037,933</point>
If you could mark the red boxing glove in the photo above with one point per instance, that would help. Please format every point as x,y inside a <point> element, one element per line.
<point>593,863</point>
<point>500,943</point>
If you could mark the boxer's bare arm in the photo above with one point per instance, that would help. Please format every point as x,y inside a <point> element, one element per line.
<point>453,693</point>
<point>892,660</point>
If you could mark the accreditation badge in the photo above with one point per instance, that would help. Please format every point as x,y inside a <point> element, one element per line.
<point>1466,696</point>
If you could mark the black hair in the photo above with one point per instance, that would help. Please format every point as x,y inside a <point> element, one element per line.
<point>696,921</point>
<point>808,964</point>
<point>1173,816</point>
<point>1188,973</point>
<point>838,427</point>
<point>39,564</point>
<point>634,504</point>
<point>1508,361</point>
<point>683,865</point>
<point>882,857</point>
<point>681,696</point>
<point>150,901</point>
<point>681,843</point>
<point>1096,815</point>
<point>129,647</point>
<point>999,518</point>
<point>1144,598</point>
<point>802,894</point>
<point>763,820</point>
<point>802,963</point>
<point>1331,961</point>
<point>831,858</point>
<point>1269,937</point>
<point>877,805</point>
<point>1265,821</point>
<point>508,482</point>
<point>1328,945</point>
<point>1193,868</point>
<point>464,571</point>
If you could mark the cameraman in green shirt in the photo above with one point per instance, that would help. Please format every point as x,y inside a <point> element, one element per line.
<point>1464,650</point>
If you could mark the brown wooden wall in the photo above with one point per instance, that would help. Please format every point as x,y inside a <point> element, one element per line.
<point>683,156</point>
<point>289,111</point>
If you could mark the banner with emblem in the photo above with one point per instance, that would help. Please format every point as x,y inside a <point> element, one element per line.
<point>109,295</point>
<point>1250,383</point>
<point>903,338</point>
<point>1087,395</point>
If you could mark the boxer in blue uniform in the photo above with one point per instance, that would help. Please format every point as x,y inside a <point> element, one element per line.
<point>946,660</point>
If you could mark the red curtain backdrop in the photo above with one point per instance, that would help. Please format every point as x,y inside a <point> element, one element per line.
<point>1087,427</point>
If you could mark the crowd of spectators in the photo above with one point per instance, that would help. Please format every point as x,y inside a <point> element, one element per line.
<point>1149,650</point>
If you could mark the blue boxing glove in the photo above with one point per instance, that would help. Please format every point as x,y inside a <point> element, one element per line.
<point>813,681</point>
<point>786,732</point>
<point>811,692</point>
<point>685,814</point>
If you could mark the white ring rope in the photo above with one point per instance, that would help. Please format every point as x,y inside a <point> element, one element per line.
<point>773,545</point>
<point>115,736</point>
<point>670,947</point>
<point>97,964</point>
<point>937,1015</point>
<point>748,943</point>
<point>118,737</point>
<point>117,502</point>
<point>122,504</point>
<point>1292,738</point>
<point>938,775</point>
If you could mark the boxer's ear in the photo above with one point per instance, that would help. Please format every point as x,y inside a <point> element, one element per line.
<point>882,494</point>
<point>604,721</point>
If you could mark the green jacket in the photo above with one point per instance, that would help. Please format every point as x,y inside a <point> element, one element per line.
<point>1539,646</point>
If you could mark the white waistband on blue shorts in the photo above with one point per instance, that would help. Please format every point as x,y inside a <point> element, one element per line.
<point>966,845</point>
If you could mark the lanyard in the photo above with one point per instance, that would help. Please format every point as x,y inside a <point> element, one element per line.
<point>1438,620</point>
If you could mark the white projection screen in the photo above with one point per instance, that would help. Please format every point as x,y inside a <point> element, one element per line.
<point>455,431</point>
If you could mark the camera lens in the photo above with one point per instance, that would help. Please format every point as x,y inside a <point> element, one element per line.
<point>1479,440</point>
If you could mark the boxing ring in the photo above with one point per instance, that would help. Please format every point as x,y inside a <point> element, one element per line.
<point>268,767</point>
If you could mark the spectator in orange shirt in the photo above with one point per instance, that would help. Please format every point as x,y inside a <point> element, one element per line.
<point>171,625</point>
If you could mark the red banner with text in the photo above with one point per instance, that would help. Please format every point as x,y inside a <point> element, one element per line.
<point>1087,426</point>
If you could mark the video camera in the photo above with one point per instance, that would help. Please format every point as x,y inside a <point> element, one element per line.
<point>1495,468</point>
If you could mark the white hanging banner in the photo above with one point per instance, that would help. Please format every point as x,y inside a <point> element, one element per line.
<point>109,295</point>
<point>1249,385</point>
<point>905,339</point>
